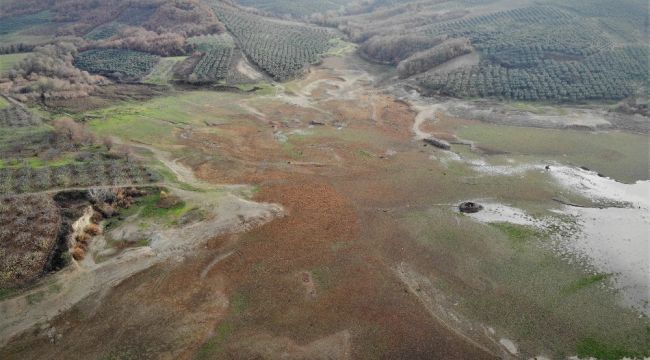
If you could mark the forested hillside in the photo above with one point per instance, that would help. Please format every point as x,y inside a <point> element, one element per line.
<point>283,50</point>
<point>294,9</point>
<point>544,50</point>
<point>547,50</point>
<point>72,47</point>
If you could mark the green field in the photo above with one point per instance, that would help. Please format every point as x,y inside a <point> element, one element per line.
<point>157,120</point>
<point>619,155</point>
<point>7,62</point>
<point>21,22</point>
<point>514,283</point>
<point>294,8</point>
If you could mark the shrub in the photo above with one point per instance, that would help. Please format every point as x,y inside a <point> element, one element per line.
<point>82,238</point>
<point>78,253</point>
<point>92,230</point>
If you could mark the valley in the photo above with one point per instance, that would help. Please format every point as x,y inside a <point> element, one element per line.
<point>364,223</point>
<point>267,180</point>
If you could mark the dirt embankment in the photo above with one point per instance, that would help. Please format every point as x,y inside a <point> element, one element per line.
<point>227,213</point>
<point>533,115</point>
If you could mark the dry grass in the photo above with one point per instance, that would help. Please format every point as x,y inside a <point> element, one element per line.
<point>93,230</point>
<point>78,253</point>
<point>82,238</point>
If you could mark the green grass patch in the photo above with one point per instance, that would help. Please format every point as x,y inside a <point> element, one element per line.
<point>155,121</point>
<point>585,282</point>
<point>170,177</point>
<point>9,61</point>
<point>212,348</point>
<point>520,285</point>
<point>7,293</point>
<point>529,107</point>
<point>322,276</point>
<point>291,150</point>
<point>26,38</point>
<point>150,207</point>
<point>620,155</point>
<point>590,347</point>
<point>3,102</point>
<point>39,163</point>
<point>365,154</point>
<point>340,47</point>
<point>54,288</point>
<point>517,233</point>
<point>238,303</point>
<point>131,125</point>
<point>18,23</point>
<point>35,298</point>
<point>125,213</point>
<point>143,242</point>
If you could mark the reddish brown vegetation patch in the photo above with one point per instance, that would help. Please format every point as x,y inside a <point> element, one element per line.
<point>349,287</point>
<point>163,312</point>
<point>394,117</point>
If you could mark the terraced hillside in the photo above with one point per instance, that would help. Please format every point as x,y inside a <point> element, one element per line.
<point>216,59</point>
<point>533,52</point>
<point>292,8</point>
<point>283,50</point>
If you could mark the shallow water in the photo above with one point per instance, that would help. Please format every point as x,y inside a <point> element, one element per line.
<point>495,212</point>
<point>616,240</point>
<point>613,240</point>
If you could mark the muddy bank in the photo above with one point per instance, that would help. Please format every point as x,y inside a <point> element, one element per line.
<point>588,118</point>
<point>614,238</point>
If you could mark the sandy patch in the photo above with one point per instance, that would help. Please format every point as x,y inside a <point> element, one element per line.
<point>244,68</point>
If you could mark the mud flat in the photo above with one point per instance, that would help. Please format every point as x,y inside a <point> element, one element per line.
<point>612,239</point>
<point>615,240</point>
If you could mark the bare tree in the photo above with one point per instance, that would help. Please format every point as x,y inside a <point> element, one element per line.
<point>101,195</point>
